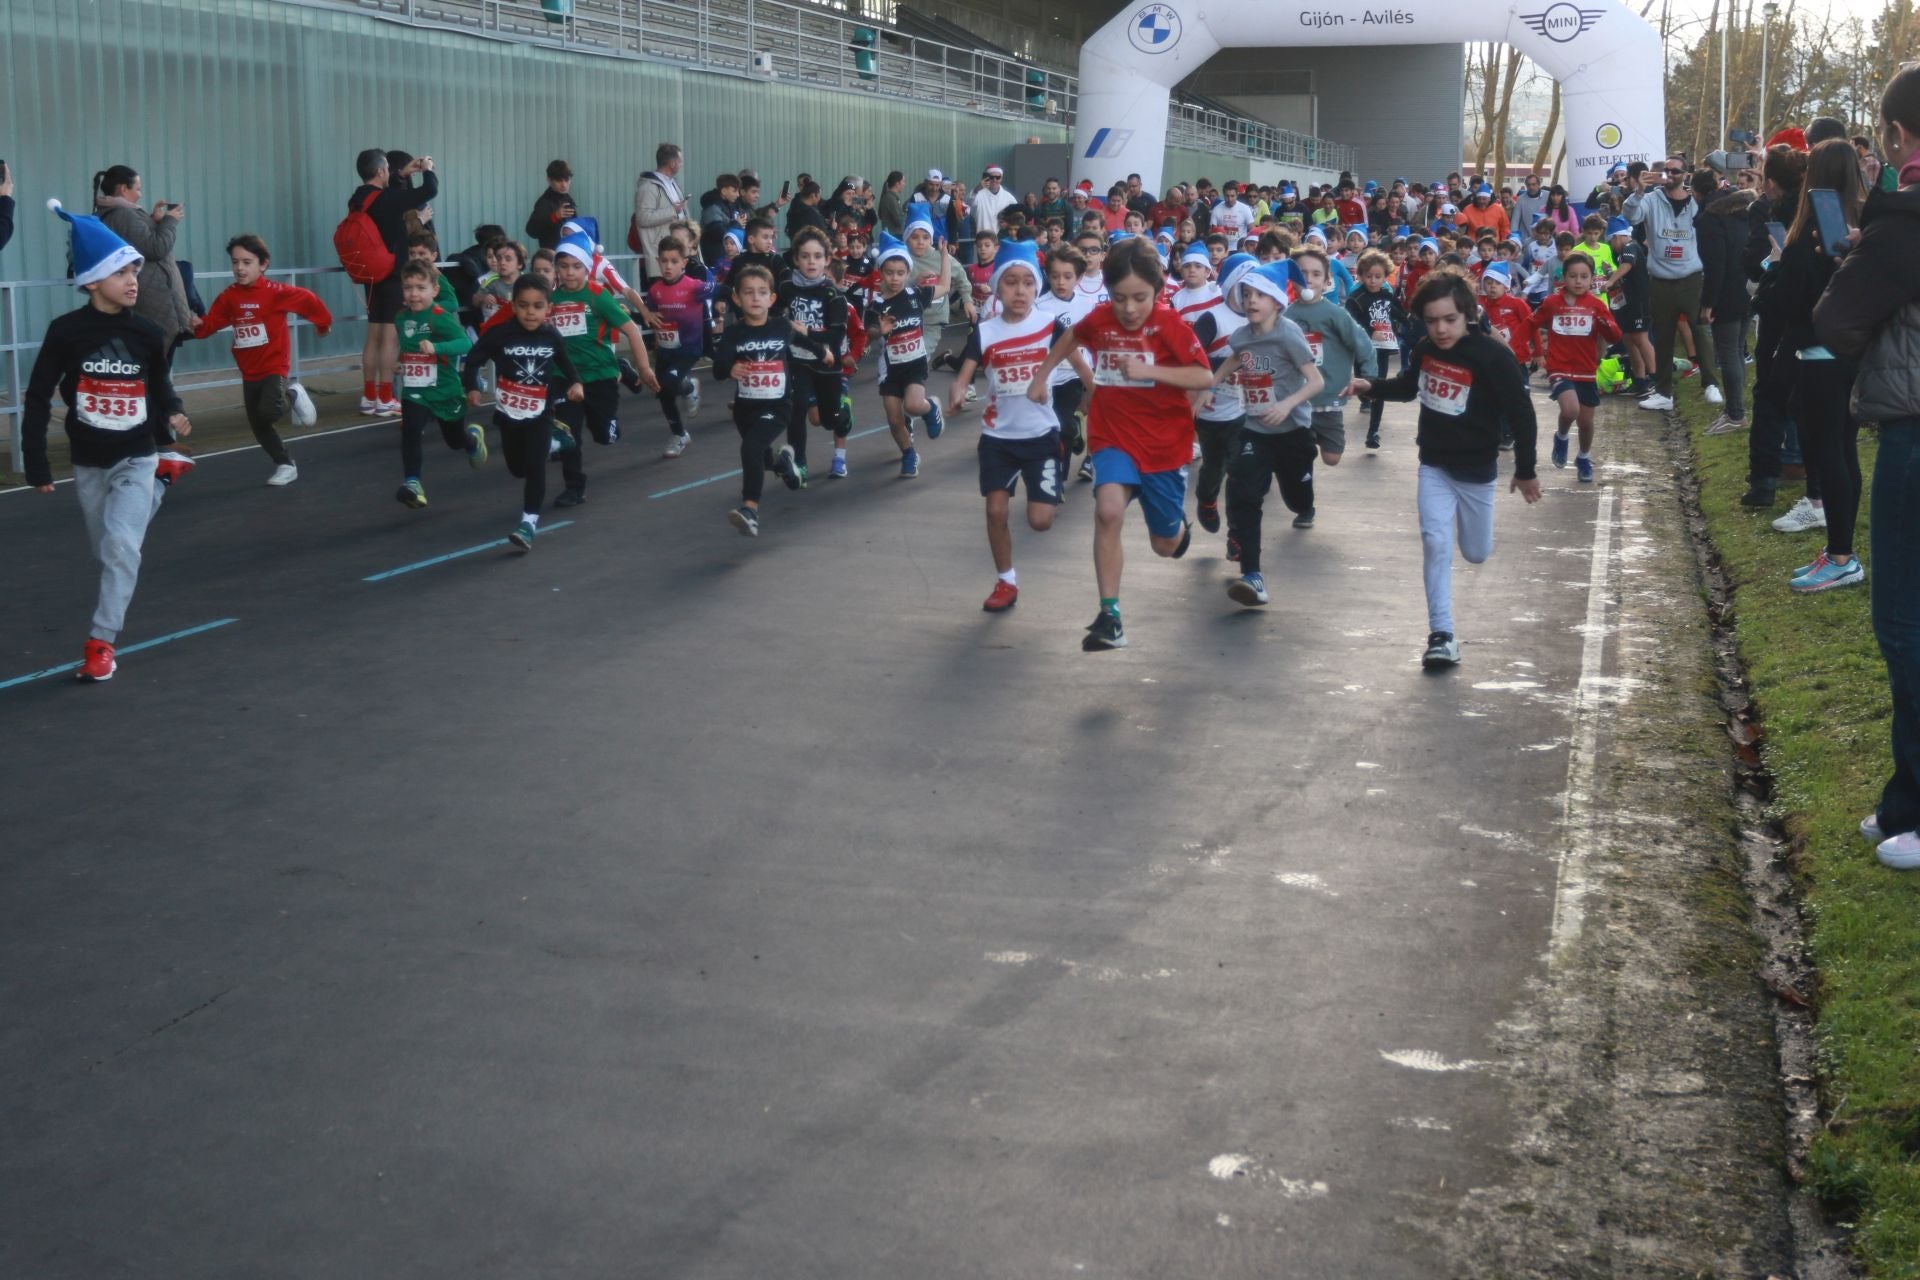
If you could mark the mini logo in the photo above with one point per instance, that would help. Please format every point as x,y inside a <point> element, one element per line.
<point>1562,22</point>
<point>1108,144</point>
<point>1608,136</point>
<point>1155,29</point>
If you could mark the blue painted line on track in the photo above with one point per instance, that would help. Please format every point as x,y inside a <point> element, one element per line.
<point>122,649</point>
<point>455,555</point>
<point>728,475</point>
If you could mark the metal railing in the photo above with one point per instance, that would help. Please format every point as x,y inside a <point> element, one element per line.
<point>824,48</point>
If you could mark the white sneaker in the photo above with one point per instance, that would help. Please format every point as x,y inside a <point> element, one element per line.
<point>389,408</point>
<point>1802,516</point>
<point>1870,828</point>
<point>677,445</point>
<point>1657,403</point>
<point>1196,451</point>
<point>1725,426</point>
<point>1713,396</point>
<point>304,414</point>
<point>285,473</point>
<point>692,398</point>
<point>369,408</point>
<point>1902,852</point>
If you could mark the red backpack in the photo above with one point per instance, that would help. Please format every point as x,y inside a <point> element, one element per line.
<point>362,252</point>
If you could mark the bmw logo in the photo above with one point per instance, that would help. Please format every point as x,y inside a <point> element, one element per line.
<point>1154,29</point>
<point>1608,136</point>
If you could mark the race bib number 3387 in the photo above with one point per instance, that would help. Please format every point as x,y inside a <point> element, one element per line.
<point>1444,387</point>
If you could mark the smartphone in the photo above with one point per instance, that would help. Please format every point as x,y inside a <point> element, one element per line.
<point>1827,216</point>
<point>1777,232</point>
<point>786,188</point>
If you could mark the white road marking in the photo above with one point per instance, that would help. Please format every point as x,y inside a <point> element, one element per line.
<point>1427,1060</point>
<point>1577,817</point>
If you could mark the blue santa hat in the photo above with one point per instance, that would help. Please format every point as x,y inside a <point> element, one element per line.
<point>920,220</point>
<point>1483,190</point>
<point>1115,237</point>
<point>1233,268</point>
<point>1197,252</point>
<point>1618,227</point>
<point>589,227</point>
<point>735,239</point>
<point>1016,255</point>
<point>1499,271</point>
<point>891,248</point>
<point>1316,233</point>
<point>576,246</point>
<point>96,252</point>
<point>1430,243</point>
<point>1278,280</point>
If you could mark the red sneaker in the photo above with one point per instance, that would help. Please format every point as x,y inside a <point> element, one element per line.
<point>98,665</point>
<point>1209,513</point>
<point>171,466</point>
<point>1003,597</point>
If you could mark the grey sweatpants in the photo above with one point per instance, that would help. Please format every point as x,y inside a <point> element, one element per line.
<point>1453,513</point>
<point>118,503</point>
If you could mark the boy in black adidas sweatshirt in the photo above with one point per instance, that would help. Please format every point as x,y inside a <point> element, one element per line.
<point>1467,383</point>
<point>530,365</point>
<point>110,368</point>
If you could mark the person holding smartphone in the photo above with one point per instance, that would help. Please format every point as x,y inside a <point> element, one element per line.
<point>1663,204</point>
<point>163,296</point>
<point>1829,434</point>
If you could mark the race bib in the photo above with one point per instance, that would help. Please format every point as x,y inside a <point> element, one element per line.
<point>1444,387</point>
<point>761,379</point>
<point>111,404</point>
<point>1573,324</point>
<point>418,371</point>
<point>904,345</point>
<point>520,402</point>
<point>249,334</point>
<point>1256,389</point>
<point>1383,335</point>
<point>569,319</point>
<point>1314,343</point>
<point>667,339</point>
<point>1110,368</point>
<point>1012,377</point>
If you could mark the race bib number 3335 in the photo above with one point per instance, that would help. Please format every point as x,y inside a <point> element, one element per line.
<point>111,404</point>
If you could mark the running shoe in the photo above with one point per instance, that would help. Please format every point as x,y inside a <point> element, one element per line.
<point>476,445</point>
<point>1196,450</point>
<point>1713,395</point>
<point>1657,403</point>
<point>1687,369</point>
<point>1809,567</point>
<point>411,495</point>
<point>570,498</point>
<point>1442,651</point>
<point>1304,520</point>
<point>800,470</point>
<point>1901,852</point>
<point>1104,632</point>
<point>171,466</point>
<point>96,663</point>
<point>973,394</point>
<point>389,408</point>
<point>1233,548</point>
<point>1559,450</point>
<point>746,520</point>
<point>787,469</point>
<point>1373,439</point>
<point>1003,597</point>
<point>1583,470</point>
<point>1250,589</point>
<point>630,377</point>
<point>284,474</point>
<point>522,535</point>
<point>1186,538</point>
<point>677,445</point>
<point>1802,516</point>
<point>304,413</point>
<point>560,439</point>
<point>909,464</point>
<point>839,468</point>
<point>1209,513</point>
<point>1086,471</point>
<point>1830,575</point>
<point>369,407</point>
<point>935,423</point>
<point>1870,829</point>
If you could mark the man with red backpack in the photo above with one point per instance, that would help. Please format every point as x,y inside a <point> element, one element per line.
<point>372,242</point>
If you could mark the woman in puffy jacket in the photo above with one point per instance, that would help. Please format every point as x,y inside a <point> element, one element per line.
<point>1870,313</point>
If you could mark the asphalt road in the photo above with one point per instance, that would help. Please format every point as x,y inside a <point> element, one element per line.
<point>668,903</point>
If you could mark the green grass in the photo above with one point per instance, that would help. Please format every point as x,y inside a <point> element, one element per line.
<point>1820,688</point>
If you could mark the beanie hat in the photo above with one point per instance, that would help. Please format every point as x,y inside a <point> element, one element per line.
<point>1315,233</point>
<point>1233,268</point>
<point>578,247</point>
<point>1499,271</point>
<point>588,227</point>
<point>1022,255</point>
<point>735,239</point>
<point>1197,252</point>
<point>1793,136</point>
<point>891,248</point>
<point>1483,190</point>
<point>1115,237</point>
<point>1278,280</point>
<point>920,220</point>
<point>1430,243</point>
<point>1618,227</point>
<point>96,252</point>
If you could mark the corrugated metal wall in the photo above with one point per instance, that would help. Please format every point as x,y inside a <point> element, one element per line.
<point>250,112</point>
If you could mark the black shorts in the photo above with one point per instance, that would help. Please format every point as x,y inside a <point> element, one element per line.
<point>383,299</point>
<point>901,376</point>
<point>599,411</point>
<point>1585,393</point>
<point>1036,460</point>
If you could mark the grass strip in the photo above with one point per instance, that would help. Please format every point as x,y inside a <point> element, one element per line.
<point>1820,687</point>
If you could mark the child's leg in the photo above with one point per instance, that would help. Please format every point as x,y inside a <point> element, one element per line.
<point>1294,452</point>
<point>1585,419</point>
<point>1109,513</point>
<point>117,503</point>
<point>797,421</point>
<point>1376,406</point>
<point>1216,438</point>
<point>1438,515</point>
<point>843,425</point>
<point>1473,519</point>
<point>413,423</point>
<point>673,384</point>
<point>915,401</point>
<point>573,468</point>
<point>525,445</point>
<point>266,404</point>
<point>757,434</point>
<point>897,421</point>
<point>1249,473</point>
<point>1330,433</point>
<point>999,536</point>
<point>1568,403</point>
<point>826,397</point>
<point>453,431</point>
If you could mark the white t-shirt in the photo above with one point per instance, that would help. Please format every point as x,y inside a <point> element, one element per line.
<point>987,207</point>
<point>1232,220</point>
<point>1009,353</point>
<point>1071,312</point>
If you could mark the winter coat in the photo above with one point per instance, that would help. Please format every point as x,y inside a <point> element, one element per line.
<point>653,210</point>
<point>543,224</point>
<point>1722,229</point>
<point>1871,309</point>
<point>163,296</point>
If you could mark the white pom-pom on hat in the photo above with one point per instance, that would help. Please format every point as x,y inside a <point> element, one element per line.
<point>53,204</point>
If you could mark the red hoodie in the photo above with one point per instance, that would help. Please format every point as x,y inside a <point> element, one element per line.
<point>1578,330</point>
<point>258,314</point>
<point>1511,321</point>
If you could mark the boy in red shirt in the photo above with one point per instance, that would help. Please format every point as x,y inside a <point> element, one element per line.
<point>257,309</point>
<point>1511,321</point>
<point>1145,359</point>
<point>1578,328</point>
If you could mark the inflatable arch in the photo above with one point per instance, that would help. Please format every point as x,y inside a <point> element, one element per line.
<point>1607,59</point>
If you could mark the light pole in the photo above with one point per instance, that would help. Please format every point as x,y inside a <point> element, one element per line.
<point>1767,13</point>
<point>1724,24</point>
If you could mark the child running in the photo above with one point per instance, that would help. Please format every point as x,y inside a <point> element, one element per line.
<point>758,351</point>
<point>1019,437</point>
<point>1511,321</point>
<point>1341,348</point>
<point>530,364</point>
<point>677,302</point>
<point>110,368</point>
<point>257,310</point>
<point>432,340</point>
<point>1278,377</point>
<point>1468,384</point>
<point>1140,424</point>
<point>1378,310</point>
<point>586,315</point>
<point>817,309</point>
<point>1219,415</point>
<point>1578,328</point>
<point>898,314</point>
<point>1066,299</point>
